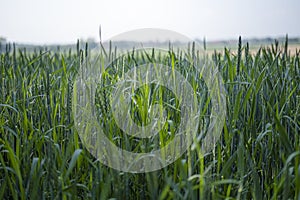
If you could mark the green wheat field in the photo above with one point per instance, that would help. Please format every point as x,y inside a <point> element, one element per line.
<point>256,157</point>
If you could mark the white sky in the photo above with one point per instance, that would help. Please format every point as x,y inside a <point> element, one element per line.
<point>64,21</point>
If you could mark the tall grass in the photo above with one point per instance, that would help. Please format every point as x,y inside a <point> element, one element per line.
<point>257,156</point>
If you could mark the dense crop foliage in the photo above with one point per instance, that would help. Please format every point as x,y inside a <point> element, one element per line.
<point>257,156</point>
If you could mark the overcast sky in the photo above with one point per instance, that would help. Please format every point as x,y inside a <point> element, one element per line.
<point>64,21</point>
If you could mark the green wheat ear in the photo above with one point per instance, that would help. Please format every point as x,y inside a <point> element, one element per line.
<point>247,55</point>
<point>239,56</point>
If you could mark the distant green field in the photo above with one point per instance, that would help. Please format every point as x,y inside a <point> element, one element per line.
<point>256,157</point>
